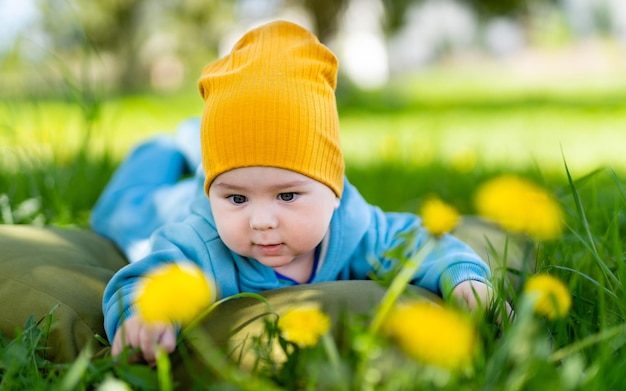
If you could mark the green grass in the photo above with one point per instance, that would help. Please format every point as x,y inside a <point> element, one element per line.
<point>443,134</point>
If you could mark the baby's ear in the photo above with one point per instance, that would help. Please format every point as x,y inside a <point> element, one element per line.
<point>337,202</point>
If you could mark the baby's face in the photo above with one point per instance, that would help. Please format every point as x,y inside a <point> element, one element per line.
<point>271,214</point>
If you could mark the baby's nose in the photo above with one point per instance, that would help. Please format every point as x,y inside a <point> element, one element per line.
<point>263,218</point>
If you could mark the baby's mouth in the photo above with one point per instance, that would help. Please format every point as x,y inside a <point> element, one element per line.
<point>270,249</point>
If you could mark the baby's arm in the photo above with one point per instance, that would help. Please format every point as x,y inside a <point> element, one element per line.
<point>135,333</point>
<point>120,294</point>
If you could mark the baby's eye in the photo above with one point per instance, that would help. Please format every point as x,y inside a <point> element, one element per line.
<point>238,199</point>
<point>287,197</point>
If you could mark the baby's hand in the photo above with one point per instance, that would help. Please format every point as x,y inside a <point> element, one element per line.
<point>135,333</point>
<point>477,295</point>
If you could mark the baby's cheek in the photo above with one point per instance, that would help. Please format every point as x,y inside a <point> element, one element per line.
<point>230,231</point>
<point>309,235</point>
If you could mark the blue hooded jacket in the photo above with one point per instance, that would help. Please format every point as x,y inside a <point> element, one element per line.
<point>360,236</point>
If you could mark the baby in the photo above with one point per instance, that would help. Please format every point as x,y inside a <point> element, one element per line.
<point>271,207</point>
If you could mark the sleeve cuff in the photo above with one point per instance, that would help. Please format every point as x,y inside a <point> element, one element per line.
<point>460,272</point>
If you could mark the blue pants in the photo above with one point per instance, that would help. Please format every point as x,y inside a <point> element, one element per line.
<point>154,185</point>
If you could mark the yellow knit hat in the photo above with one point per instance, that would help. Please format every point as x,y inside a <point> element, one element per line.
<point>271,102</point>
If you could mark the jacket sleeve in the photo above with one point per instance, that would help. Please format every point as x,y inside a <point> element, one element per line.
<point>449,263</point>
<point>169,244</point>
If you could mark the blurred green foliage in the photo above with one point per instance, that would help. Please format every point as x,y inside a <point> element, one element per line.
<point>131,46</point>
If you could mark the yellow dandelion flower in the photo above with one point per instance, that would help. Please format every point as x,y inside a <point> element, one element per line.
<point>304,326</point>
<point>175,292</point>
<point>520,206</point>
<point>552,297</point>
<point>438,217</point>
<point>432,334</point>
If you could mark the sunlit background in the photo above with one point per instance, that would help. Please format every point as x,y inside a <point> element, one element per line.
<point>468,82</point>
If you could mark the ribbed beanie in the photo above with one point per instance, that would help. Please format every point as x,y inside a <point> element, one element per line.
<point>271,102</point>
